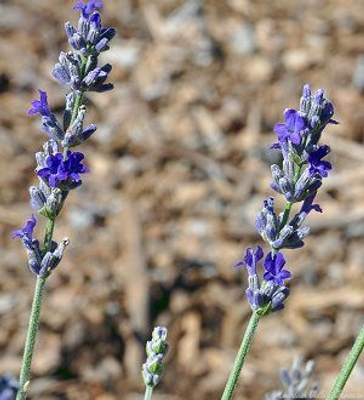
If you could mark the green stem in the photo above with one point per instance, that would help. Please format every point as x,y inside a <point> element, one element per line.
<point>76,107</point>
<point>348,366</point>
<point>31,337</point>
<point>148,393</point>
<point>48,234</point>
<point>239,360</point>
<point>79,97</point>
<point>287,210</point>
<point>33,324</point>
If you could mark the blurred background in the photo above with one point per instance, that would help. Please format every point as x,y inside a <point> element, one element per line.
<point>180,166</point>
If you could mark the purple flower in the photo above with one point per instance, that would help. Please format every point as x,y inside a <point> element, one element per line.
<point>307,205</point>
<point>316,163</point>
<point>292,128</point>
<point>26,233</point>
<point>63,173</point>
<point>251,260</point>
<point>94,80</point>
<point>273,265</point>
<point>89,8</point>
<point>50,124</point>
<point>40,106</point>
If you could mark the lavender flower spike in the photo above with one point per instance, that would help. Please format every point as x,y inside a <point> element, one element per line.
<point>58,168</point>
<point>298,180</point>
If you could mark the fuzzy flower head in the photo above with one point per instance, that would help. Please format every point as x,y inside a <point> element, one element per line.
<point>269,295</point>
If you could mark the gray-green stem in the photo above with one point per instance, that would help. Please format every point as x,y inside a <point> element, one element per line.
<point>348,366</point>
<point>286,212</point>
<point>148,393</point>
<point>79,96</point>
<point>76,106</point>
<point>239,360</point>
<point>33,324</point>
<point>31,338</point>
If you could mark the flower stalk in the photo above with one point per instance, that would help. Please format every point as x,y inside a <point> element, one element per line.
<point>31,338</point>
<point>148,393</point>
<point>348,366</point>
<point>240,358</point>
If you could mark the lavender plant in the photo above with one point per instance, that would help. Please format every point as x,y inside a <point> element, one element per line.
<point>59,167</point>
<point>298,179</point>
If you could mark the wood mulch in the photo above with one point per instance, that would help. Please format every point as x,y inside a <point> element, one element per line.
<point>180,166</point>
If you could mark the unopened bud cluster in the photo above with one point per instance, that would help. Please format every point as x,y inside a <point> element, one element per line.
<point>156,349</point>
